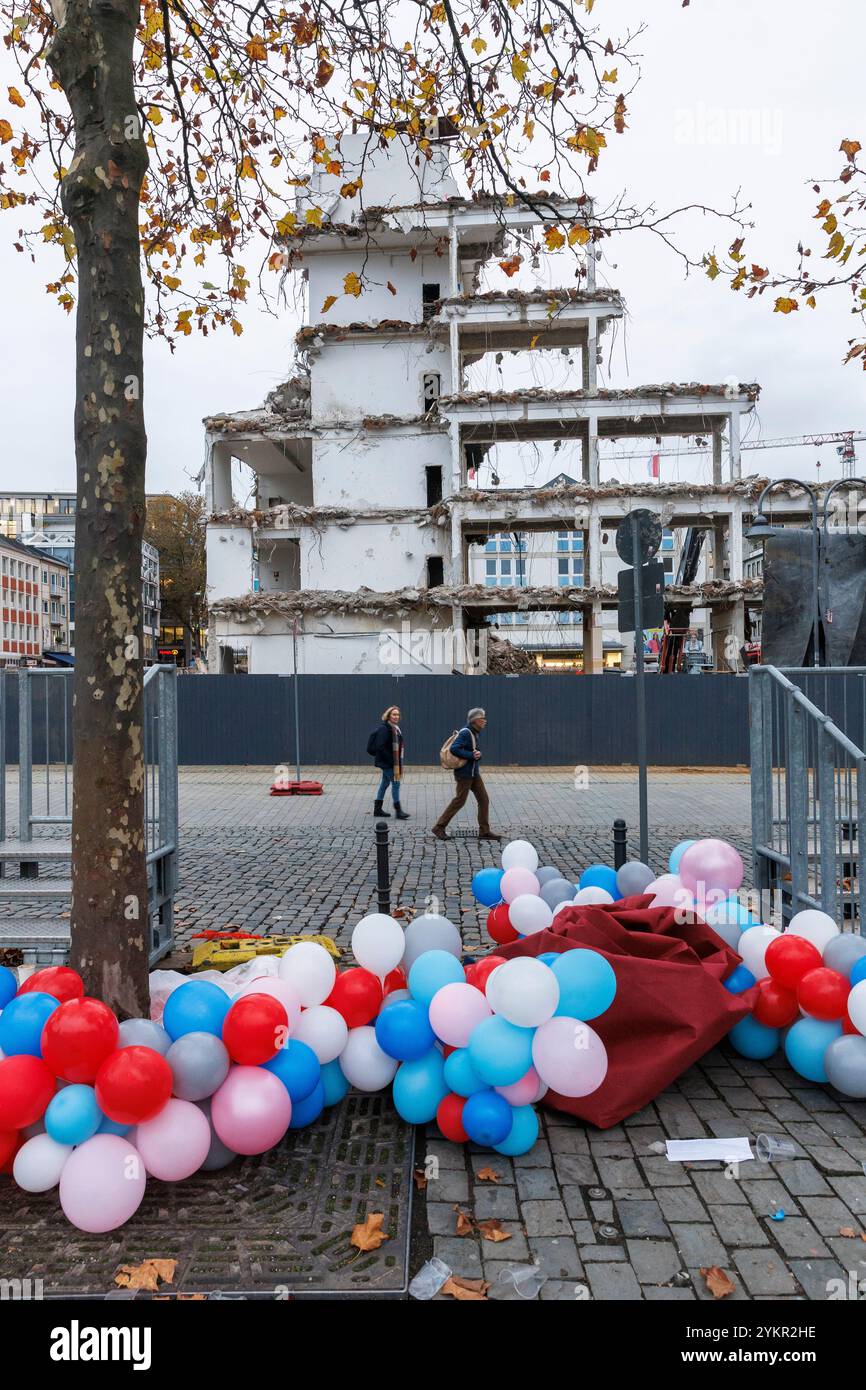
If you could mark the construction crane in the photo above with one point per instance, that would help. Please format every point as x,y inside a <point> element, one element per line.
<point>843,439</point>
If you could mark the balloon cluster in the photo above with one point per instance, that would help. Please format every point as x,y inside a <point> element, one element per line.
<point>811,999</point>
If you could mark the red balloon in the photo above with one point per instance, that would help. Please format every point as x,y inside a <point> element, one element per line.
<point>449,1118</point>
<point>255,1028</point>
<point>823,994</point>
<point>26,1087</point>
<point>10,1141</point>
<point>480,971</point>
<point>357,995</point>
<point>788,959</point>
<point>775,1007</point>
<point>395,979</point>
<point>78,1037</point>
<point>499,926</point>
<point>57,980</point>
<point>133,1084</point>
<point>848,1026</point>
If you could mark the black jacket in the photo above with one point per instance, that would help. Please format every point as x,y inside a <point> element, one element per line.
<point>380,746</point>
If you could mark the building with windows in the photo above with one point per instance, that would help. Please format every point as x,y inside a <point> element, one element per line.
<point>34,604</point>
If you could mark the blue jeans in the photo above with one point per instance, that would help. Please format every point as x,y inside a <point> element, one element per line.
<point>386,782</point>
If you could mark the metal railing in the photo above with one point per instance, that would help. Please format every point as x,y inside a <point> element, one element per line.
<point>808,791</point>
<point>44,716</point>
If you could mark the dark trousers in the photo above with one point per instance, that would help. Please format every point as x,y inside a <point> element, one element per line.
<point>462,787</point>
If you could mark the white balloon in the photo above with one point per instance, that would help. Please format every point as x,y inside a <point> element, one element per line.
<point>524,991</point>
<point>520,854</point>
<point>39,1163</point>
<point>430,932</point>
<point>592,895</point>
<point>364,1064</point>
<point>752,946</point>
<point>378,943</point>
<point>817,927</point>
<point>324,1030</point>
<point>308,967</point>
<point>856,1011</point>
<point>560,906</point>
<point>529,914</point>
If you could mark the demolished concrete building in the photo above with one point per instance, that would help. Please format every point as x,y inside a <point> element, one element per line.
<point>356,545</point>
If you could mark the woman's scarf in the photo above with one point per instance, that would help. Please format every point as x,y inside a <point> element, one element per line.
<point>396,744</point>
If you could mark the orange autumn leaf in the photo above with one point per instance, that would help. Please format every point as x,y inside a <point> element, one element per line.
<point>488,1175</point>
<point>511,266</point>
<point>15,97</point>
<point>368,1235</point>
<point>256,50</point>
<point>419,1177</point>
<point>148,1275</point>
<point>466,1290</point>
<point>492,1230</point>
<point>784,305</point>
<point>718,1282</point>
<point>5,132</point>
<point>465,1224</point>
<point>331,300</point>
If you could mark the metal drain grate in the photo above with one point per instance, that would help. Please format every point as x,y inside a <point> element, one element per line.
<point>278,1221</point>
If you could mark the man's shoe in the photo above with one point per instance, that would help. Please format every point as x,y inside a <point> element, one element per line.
<point>400,813</point>
<point>440,834</point>
<point>377,810</point>
<point>489,835</point>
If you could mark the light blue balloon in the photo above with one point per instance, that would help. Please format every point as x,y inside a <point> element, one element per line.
<point>805,1044</point>
<point>112,1127</point>
<point>199,1006</point>
<point>730,912</point>
<point>22,1021</point>
<point>8,985</point>
<point>753,1039</point>
<point>485,886</point>
<point>73,1115</point>
<point>431,971</point>
<point>587,984</point>
<point>461,1076</point>
<point>858,972</point>
<point>334,1082</point>
<point>677,853</point>
<point>500,1052</point>
<point>298,1068</point>
<point>600,876</point>
<point>523,1133</point>
<point>548,957</point>
<point>739,980</point>
<point>305,1111</point>
<point>419,1087</point>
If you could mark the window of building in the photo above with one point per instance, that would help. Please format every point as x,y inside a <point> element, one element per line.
<point>433,474</point>
<point>430,296</point>
<point>435,571</point>
<point>431,389</point>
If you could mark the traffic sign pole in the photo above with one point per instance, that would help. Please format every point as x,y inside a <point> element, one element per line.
<point>640,690</point>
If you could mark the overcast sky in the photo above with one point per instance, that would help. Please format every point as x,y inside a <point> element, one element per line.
<point>749,94</point>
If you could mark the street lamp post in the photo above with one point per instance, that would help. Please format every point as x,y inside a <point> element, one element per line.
<point>762,529</point>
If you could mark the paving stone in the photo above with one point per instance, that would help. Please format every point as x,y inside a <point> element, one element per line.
<point>568,1140</point>
<point>833,1158</point>
<point>599,1254</point>
<point>545,1219</point>
<point>714,1186</point>
<point>500,1165</point>
<point>574,1168</point>
<point>768,1195</point>
<point>461,1255</point>
<point>613,1281</point>
<point>441,1218</point>
<point>536,1182</point>
<point>491,1200</point>
<point>618,1172</point>
<point>513,1250</point>
<point>641,1218</point>
<point>852,1191</point>
<point>801,1177</point>
<point>681,1204</point>
<point>797,1236</point>
<point>574,1203</point>
<point>763,1272</point>
<point>661,1173</point>
<point>698,1245</point>
<point>539,1156</point>
<point>563,1291</point>
<point>557,1256</point>
<point>452,1185</point>
<point>668,1295</point>
<point>654,1261</point>
<point>584,1232</point>
<point>828,1214</point>
<point>816,1277</point>
<point>703,1294</point>
<point>601,1211</point>
<point>737,1225</point>
<point>445,1155</point>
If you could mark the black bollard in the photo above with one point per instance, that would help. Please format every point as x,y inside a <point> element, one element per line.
<point>383,871</point>
<point>620,848</point>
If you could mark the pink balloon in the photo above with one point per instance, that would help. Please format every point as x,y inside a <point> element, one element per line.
<point>278,989</point>
<point>175,1143</point>
<point>455,1011</point>
<point>668,891</point>
<point>102,1183</point>
<point>569,1056</point>
<point>251,1110</point>
<point>517,881</point>
<point>524,1091</point>
<point>711,864</point>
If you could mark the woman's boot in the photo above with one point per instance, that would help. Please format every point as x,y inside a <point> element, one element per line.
<point>377,810</point>
<point>399,812</point>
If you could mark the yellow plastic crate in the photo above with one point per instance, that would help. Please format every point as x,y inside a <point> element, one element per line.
<point>222,955</point>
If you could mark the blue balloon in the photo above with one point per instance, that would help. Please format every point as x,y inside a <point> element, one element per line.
<point>485,886</point>
<point>298,1068</point>
<point>739,980</point>
<point>730,912</point>
<point>403,1030</point>
<point>523,1133</point>
<point>73,1115</point>
<point>461,1076</point>
<point>805,1044</point>
<point>22,1021</point>
<point>8,985</point>
<point>487,1118</point>
<point>500,1052</point>
<point>334,1082</point>
<point>112,1127</point>
<point>587,984</point>
<point>677,853</point>
<point>196,1007</point>
<point>419,1087</point>
<point>305,1111</point>
<point>753,1039</point>
<point>431,971</point>
<point>600,876</point>
<point>548,957</point>
<point>858,972</point>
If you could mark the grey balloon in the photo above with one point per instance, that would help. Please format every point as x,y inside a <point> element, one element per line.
<point>556,891</point>
<point>218,1155</point>
<point>633,877</point>
<point>199,1064</point>
<point>843,952</point>
<point>430,932</point>
<point>845,1064</point>
<point>143,1032</point>
<point>730,932</point>
<point>547,874</point>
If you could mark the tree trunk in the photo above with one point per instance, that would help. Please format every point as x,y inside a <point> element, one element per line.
<point>92,59</point>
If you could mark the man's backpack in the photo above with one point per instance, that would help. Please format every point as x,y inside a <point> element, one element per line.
<point>447,760</point>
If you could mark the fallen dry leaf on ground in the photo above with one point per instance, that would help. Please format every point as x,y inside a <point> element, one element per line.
<point>487,1175</point>
<point>465,1224</point>
<point>718,1282</point>
<point>848,1232</point>
<point>492,1230</point>
<point>148,1275</point>
<point>368,1235</point>
<point>465,1290</point>
<point>419,1177</point>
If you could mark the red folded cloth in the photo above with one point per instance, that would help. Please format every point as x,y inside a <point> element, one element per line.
<point>670,1006</point>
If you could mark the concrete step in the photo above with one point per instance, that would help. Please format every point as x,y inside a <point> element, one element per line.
<point>49,851</point>
<point>40,942</point>
<point>16,889</point>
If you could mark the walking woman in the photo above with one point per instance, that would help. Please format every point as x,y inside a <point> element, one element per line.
<point>385,746</point>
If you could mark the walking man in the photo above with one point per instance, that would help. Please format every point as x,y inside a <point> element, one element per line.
<point>468,779</point>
